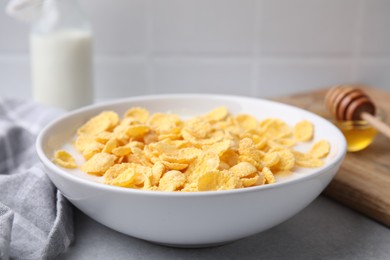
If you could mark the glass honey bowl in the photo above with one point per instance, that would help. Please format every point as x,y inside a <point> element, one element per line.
<point>359,133</point>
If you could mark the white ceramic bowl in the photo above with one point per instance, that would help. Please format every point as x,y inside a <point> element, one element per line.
<point>192,219</point>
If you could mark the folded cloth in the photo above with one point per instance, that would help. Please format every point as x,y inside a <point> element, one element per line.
<point>36,221</point>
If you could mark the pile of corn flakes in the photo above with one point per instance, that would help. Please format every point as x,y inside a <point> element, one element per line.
<point>215,151</point>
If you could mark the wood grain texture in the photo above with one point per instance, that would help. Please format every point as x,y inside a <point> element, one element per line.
<point>363,181</point>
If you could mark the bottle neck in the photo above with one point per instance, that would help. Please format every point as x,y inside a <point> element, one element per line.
<point>61,15</point>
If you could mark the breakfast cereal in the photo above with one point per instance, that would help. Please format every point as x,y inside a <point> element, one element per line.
<point>214,151</point>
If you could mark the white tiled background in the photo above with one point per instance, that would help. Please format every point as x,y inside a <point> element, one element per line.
<point>248,47</point>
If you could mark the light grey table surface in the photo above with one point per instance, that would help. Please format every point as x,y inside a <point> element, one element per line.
<point>323,230</point>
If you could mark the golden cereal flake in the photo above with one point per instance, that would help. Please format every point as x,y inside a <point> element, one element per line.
<point>244,158</point>
<point>198,128</point>
<point>184,155</point>
<point>251,181</point>
<point>137,131</point>
<point>110,145</point>
<point>220,147</point>
<point>172,181</point>
<point>99,164</point>
<point>243,169</point>
<point>307,160</point>
<point>175,166</point>
<point>223,166</point>
<point>159,148</point>
<point>151,137</point>
<point>143,174</point>
<point>271,159</point>
<point>281,142</point>
<point>303,131</point>
<point>92,149</point>
<point>286,160</point>
<point>104,121</point>
<point>312,163</point>
<point>82,141</point>
<point>187,136</point>
<point>217,114</point>
<point>138,113</point>
<point>217,180</point>
<point>247,122</point>
<point>103,137</point>
<point>320,149</point>
<point>121,151</point>
<point>230,157</point>
<point>158,169</point>
<point>165,123</point>
<point>64,159</point>
<point>274,128</point>
<point>122,175</point>
<point>248,150</point>
<point>268,175</point>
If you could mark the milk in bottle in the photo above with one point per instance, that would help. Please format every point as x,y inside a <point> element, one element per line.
<point>61,57</point>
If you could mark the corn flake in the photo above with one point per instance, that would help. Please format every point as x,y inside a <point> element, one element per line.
<point>320,149</point>
<point>216,180</point>
<point>92,149</point>
<point>286,160</point>
<point>218,114</point>
<point>268,175</point>
<point>172,181</point>
<point>138,113</point>
<point>271,159</point>
<point>120,175</point>
<point>99,164</point>
<point>64,159</point>
<point>252,181</point>
<point>307,160</point>
<point>247,122</point>
<point>303,131</point>
<point>273,128</point>
<point>137,131</point>
<point>102,122</point>
<point>243,169</point>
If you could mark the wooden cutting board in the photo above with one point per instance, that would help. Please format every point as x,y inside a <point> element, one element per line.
<point>363,181</point>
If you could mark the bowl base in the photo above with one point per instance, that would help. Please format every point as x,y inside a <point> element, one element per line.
<point>194,245</point>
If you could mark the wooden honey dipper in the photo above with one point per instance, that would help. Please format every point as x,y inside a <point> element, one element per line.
<point>347,102</point>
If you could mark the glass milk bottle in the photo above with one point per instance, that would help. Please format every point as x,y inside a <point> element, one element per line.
<point>61,56</point>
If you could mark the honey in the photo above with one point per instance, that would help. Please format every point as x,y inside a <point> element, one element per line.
<point>359,134</point>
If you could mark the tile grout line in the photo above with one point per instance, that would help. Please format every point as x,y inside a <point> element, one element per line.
<point>232,58</point>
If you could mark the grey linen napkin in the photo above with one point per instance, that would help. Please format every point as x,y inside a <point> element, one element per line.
<point>36,221</point>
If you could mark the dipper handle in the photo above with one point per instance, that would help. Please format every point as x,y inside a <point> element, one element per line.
<point>376,123</point>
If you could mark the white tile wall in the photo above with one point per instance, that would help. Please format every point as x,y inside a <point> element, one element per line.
<point>14,77</point>
<point>120,26</point>
<point>300,27</point>
<point>13,34</point>
<point>118,77</point>
<point>246,47</point>
<point>375,72</point>
<point>375,29</point>
<point>225,76</point>
<point>203,26</point>
<point>289,76</point>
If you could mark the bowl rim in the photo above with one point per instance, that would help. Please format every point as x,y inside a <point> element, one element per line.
<point>56,169</point>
